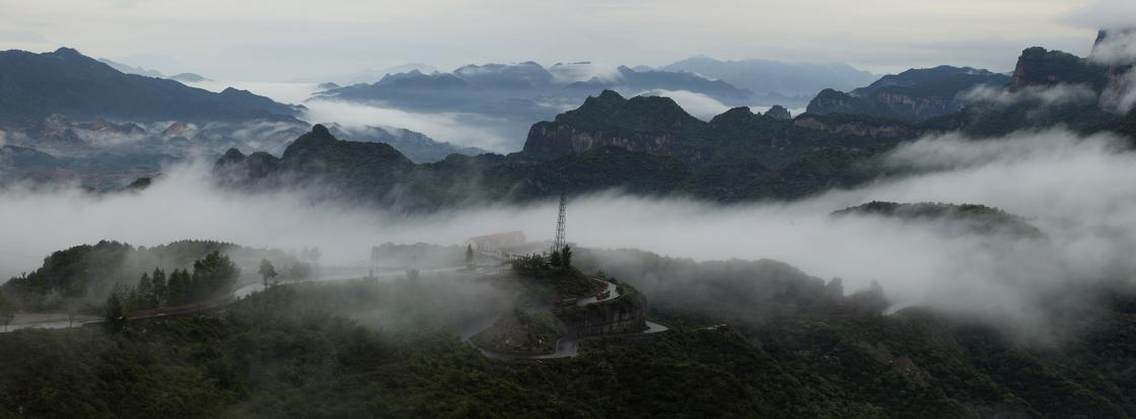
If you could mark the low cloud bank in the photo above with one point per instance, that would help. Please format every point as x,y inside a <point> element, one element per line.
<point>697,104</point>
<point>1061,94</point>
<point>463,129</point>
<point>1077,190</point>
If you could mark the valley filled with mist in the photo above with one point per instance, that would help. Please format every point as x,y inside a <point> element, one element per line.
<point>572,238</point>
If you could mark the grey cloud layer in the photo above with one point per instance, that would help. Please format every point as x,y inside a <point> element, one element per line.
<point>1077,190</point>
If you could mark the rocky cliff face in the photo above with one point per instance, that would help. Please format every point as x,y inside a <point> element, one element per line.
<point>640,124</point>
<point>1040,67</point>
<point>551,139</point>
<point>857,127</point>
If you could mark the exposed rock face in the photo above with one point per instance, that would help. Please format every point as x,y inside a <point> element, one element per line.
<point>778,112</point>
<point>857,127</point>
<point>1040,67</point>
<point>641,124</point>
<point>549,139</point>
<point>830,101</point>
<point>178,129</point>
<point>625,314</point>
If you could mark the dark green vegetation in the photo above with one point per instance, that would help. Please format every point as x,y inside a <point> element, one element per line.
<point>967,218</point>
<point>83,276</point>
<point>794,347</point>
<point>212,277</point>
<point>522,331</point>
<point>552,279</point>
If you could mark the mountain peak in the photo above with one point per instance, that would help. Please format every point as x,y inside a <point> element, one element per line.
<point>778,112</point>
<point>610,96</point>
<point>67,52</point>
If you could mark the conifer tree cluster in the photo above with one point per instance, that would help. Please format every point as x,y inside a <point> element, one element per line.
<point>211,276</point>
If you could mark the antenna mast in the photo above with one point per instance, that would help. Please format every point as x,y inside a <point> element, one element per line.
<point>558,244</point>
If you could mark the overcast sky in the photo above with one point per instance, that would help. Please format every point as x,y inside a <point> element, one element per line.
<point>284,40</point>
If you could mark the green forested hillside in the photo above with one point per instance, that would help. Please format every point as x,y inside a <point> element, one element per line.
<point>295,352</point>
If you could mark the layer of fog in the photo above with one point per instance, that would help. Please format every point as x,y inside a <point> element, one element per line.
<point>462,129</point>
<point>1076,190</point>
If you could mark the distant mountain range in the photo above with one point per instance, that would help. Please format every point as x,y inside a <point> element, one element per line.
<point>914,95</point>
<point>512,96</point>
<point>416,146</point>
<point>646,145</point>
<point>129,69</point>
<point>68,83</point>
<point>786,83</point>
<point>69,117</point>
<point>650,145</point>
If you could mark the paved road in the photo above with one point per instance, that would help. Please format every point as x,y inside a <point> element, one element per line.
<point>613,293</point>
<point>566,347</point>
<point>60,320</point>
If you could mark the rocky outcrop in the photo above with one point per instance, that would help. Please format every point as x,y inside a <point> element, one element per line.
<point>1040,67</point>
<point>778,112</point>
<point>914,95</point>
<point>858,127</point>
<point>317,156</point>
<point>641,124</point>
<point>551,139</point>
<point>624,314</point>
<point>830,101</point>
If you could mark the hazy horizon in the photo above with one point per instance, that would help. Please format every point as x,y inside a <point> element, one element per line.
<point>291,42</point>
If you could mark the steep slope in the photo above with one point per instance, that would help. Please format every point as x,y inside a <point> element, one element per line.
<point>318,157</point>
<point>914,95</point>
<point>643,124</point>
<point>507,99</point>
<point>642,145</point>
<point>416,146</point>
<point>1038,66</point>
<point>33,86</point>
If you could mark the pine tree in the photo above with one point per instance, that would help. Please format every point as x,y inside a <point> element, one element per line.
<point>554,259</point>
<point>566,256</point>
<point>145,292</point>
<point>266,271</point>
<point>178,287</point>
<point>115,313</point>
<point>7,312</point>
<point>160,292</point>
